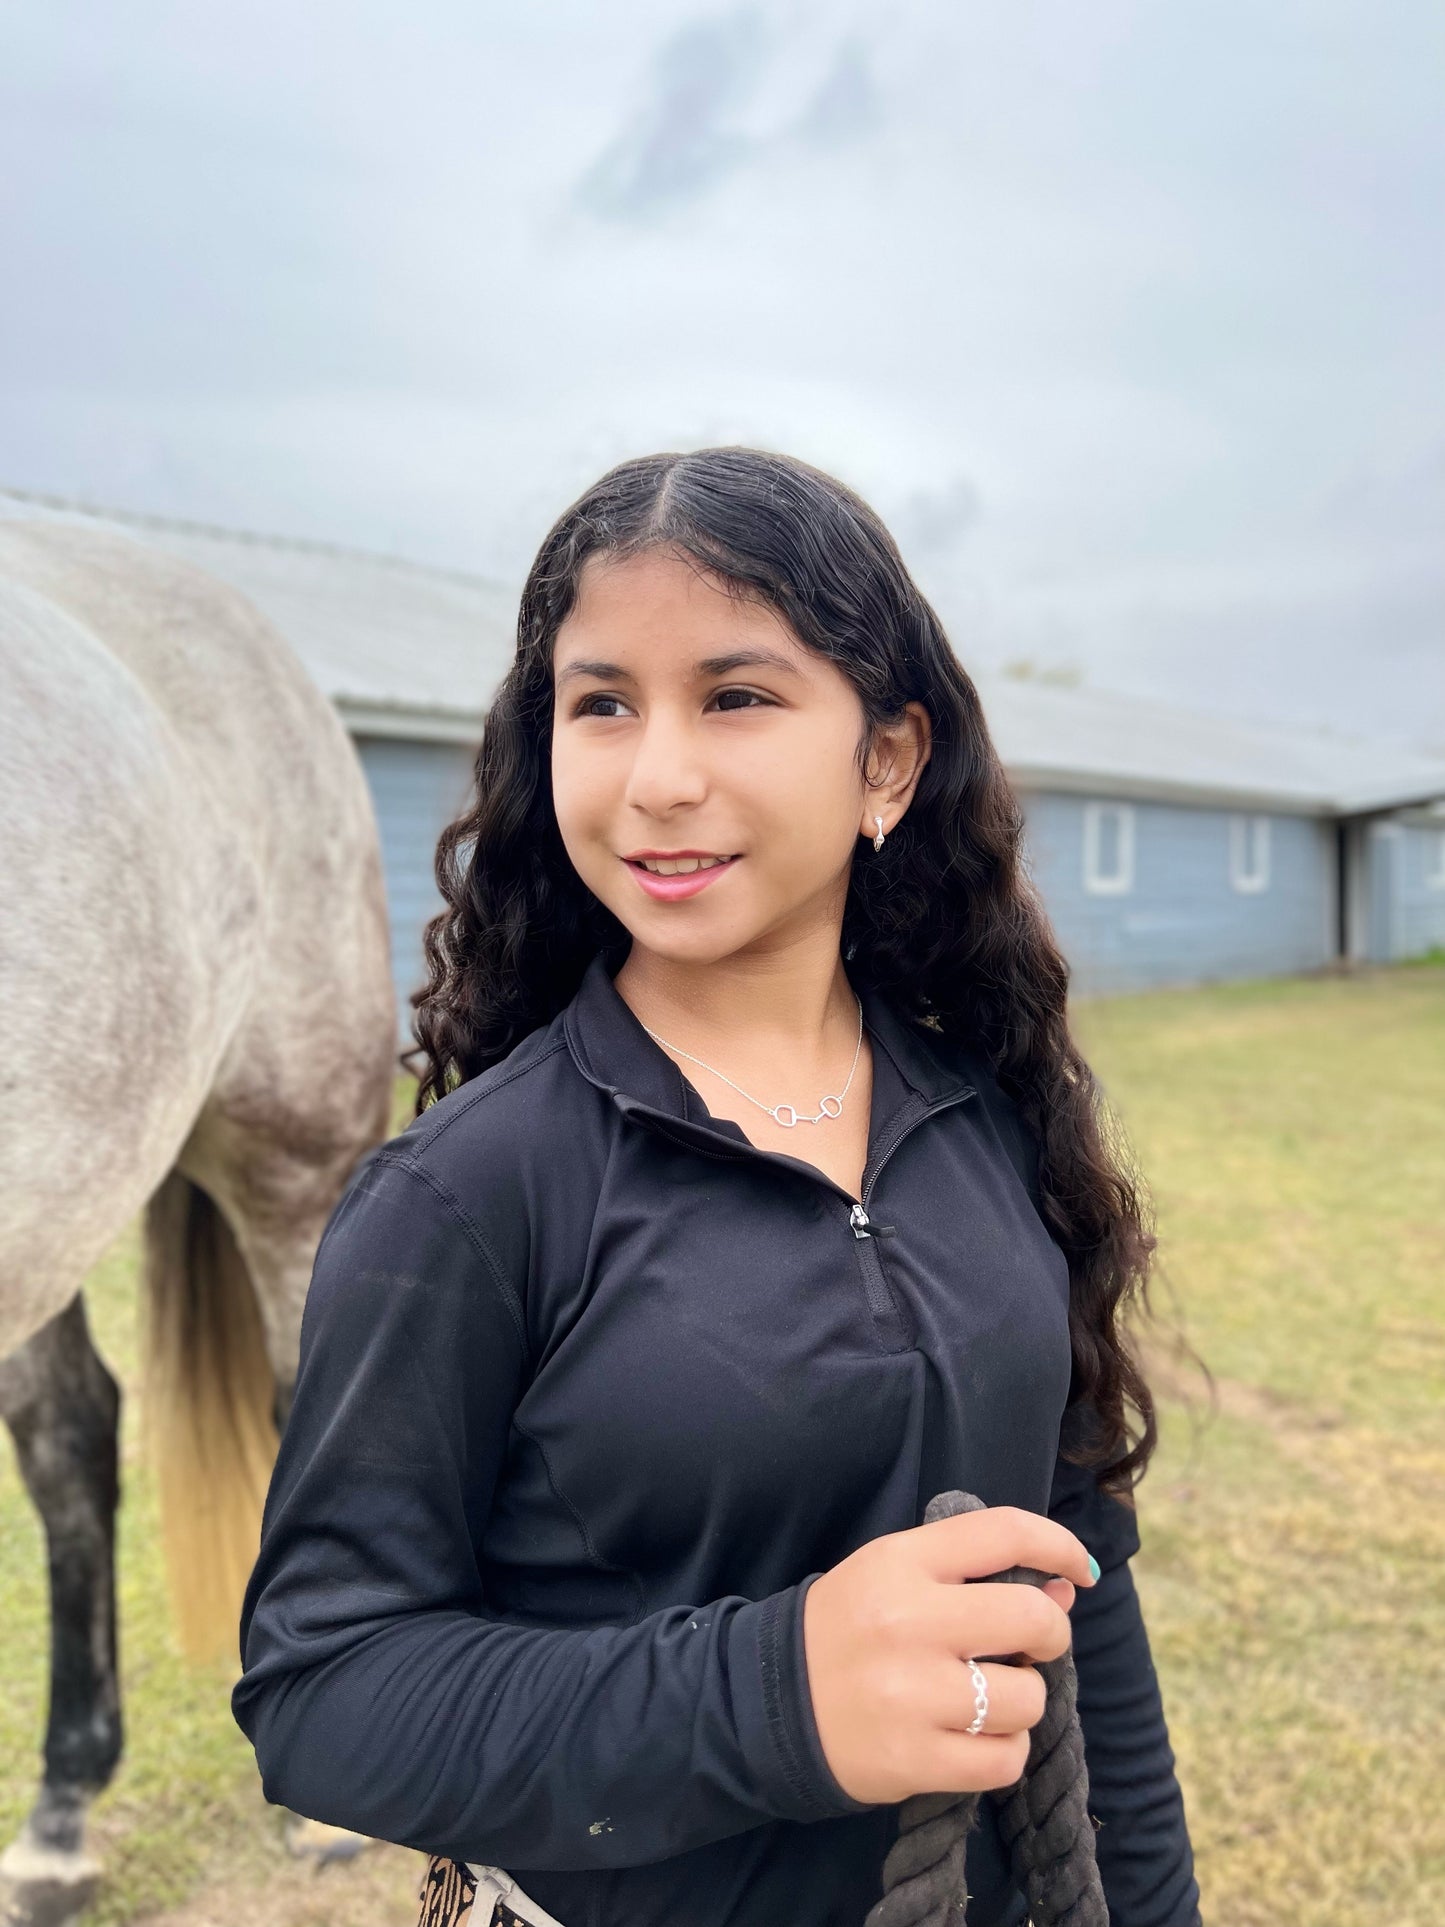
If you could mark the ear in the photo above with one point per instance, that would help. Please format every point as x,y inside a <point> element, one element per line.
<point>895,763</point>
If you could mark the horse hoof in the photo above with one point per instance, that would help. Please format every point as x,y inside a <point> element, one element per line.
<point>44,1886</point>
<point>45,1903</point>
<point>314,1840</point>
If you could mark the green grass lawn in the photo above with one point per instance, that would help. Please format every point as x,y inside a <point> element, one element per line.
<point>1293,1135</point>
<point>1293,1524</point>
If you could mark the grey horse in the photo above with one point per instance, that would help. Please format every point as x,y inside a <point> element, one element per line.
<point>196,1024</point>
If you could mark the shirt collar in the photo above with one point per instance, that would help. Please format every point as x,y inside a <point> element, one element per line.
<point>611,1049</point>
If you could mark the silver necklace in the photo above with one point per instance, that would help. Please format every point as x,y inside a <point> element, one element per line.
<point>775,1111</point>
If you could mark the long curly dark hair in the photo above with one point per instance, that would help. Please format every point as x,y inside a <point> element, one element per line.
<point>946,924</point>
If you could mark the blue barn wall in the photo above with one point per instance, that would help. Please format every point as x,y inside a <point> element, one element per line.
<point>1182,920</point>
<point>416,789</point>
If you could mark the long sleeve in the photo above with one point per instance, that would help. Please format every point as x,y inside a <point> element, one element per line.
<point>1146,1861</point>
<point>379,1692</point>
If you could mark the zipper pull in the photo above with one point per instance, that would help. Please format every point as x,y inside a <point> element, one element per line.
<point>865,1227</point>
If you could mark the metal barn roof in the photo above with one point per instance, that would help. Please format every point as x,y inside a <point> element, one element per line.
<point>405,650</point>
<point>1095,741</point>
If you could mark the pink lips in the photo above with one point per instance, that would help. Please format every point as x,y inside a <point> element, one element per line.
<point>671,889</point>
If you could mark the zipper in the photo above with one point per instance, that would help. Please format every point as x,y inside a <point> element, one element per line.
<point>864,1226</point>
<point>888,1321</point>
<point>884,1309</point>
<point>931,1110</point>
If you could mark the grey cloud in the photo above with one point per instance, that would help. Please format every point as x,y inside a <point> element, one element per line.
<point>846,105</point>
<point>679,145</point>
<point>688,137</point>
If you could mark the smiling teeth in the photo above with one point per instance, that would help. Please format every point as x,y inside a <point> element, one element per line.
<point>681,866</point>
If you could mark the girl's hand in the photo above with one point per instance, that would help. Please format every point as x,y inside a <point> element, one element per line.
<point>886,1633</point>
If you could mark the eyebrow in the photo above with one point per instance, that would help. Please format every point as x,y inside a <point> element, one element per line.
<point>704,666</point>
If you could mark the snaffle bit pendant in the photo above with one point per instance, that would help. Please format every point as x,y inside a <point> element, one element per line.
<point>775,1112</point>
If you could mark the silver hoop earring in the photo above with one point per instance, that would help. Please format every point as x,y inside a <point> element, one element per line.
<point>878,840</point>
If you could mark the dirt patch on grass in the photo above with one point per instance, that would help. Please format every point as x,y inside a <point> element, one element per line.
<point>1177,1378</point>
<point>379,1888</point>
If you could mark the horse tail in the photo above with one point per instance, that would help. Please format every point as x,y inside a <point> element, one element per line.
<point>208,1422</point>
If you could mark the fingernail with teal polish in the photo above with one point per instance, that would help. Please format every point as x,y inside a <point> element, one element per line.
<point>1093,1565</point>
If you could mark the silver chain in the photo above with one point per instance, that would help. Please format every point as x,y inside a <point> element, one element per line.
<point>775,1111</point>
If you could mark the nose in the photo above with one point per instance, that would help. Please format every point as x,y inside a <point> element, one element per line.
<point>669,769</point>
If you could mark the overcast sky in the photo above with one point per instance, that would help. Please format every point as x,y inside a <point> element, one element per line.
<point>1127,318</point>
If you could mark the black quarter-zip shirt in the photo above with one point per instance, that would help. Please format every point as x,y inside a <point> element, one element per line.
<point>591,1389</point>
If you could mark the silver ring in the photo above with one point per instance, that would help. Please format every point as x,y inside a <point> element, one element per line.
<point>980,1698</point>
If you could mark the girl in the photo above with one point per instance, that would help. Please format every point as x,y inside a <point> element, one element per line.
<point>757,1192</point>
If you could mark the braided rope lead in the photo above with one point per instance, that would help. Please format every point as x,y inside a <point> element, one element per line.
<point>1043,1818</point>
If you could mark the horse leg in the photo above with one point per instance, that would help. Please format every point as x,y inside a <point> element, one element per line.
<point>63,1409</point>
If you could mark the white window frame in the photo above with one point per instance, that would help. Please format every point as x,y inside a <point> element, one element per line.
<point>1116,883</point>
<point>1435,879</point>
<point>1248,882</point>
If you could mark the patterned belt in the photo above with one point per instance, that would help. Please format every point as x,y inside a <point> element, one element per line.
<point>450,1890</point>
